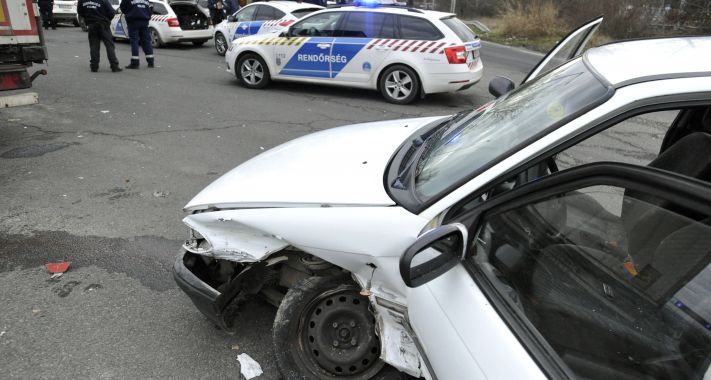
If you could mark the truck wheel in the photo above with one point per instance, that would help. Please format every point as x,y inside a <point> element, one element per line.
<point>155,38</point>
<point>325,330</point>
<point>399,84</point>
<point>252,72</point>
<point>220,43</point>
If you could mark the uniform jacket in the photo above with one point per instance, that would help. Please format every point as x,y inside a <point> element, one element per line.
<point>136,10</point>
<point>46,4</point>
<point>94,11</point>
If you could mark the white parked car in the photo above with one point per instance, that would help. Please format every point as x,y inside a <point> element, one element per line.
<point>171,22</point>
<point>259,18</point>
<point>65,11</point>
<point>404,53</point>
<point>561,231</point>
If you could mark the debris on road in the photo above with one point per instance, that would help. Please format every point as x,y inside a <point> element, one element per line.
<point>248,366</point>
<point>36,312</point>
<point>2,332</point>
<point>58,267</point>
<point>161,194</point>
<point>105,111</point>
<point>235,347</point>
<point>56,275</point>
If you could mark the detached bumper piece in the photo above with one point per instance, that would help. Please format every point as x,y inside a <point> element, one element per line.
<point>217,300</point>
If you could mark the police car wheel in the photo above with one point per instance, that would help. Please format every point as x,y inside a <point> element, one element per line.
<point>252,72</point>
<point>220,44</point>
<point>155,38</point>
<point>399,84</point>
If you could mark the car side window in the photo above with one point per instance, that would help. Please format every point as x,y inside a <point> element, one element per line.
<point>266,12</point>
<point>616,281</point>
<point>159,9</point>
<point>246,14</point>
<point>636,141</point>
<point>322,24</point>
<point>415,28</point>
<point>369,25</point>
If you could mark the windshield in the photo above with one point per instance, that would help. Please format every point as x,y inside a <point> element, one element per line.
<point>460,29</point>
<point>489,134</point>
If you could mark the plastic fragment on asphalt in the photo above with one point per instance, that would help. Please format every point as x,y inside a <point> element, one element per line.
<point>235,347</point>
<point>2,332</point>
<point>56,275</point>
<point>161,194</point>
<point>36,312</point>
<point>58,267</point>
<point>248,366</point>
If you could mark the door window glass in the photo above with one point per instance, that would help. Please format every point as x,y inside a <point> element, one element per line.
<point>159,9</point>
<point>322,24</point>
<point>369,24</point>
<point>616,281</point>
<point>266,12</point>
<point>246,14</point>
<point>415,28</point>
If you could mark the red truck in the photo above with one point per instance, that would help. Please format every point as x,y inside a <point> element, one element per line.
<point>21,44</point>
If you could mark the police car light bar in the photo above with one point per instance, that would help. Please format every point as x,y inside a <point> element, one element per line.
<point>375,3</point>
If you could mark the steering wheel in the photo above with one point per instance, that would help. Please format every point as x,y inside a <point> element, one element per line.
<point>314,32</point>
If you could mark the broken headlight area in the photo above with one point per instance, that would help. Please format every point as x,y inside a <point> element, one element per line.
<point>196,243</point>
<point>219,287</point>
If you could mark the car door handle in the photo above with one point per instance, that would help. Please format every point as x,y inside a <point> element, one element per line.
<point>382,48</point>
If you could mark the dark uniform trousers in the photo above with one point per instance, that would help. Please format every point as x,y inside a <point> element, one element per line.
<point>139,35</point>
<point>47,16</point>
<point>99,32</point>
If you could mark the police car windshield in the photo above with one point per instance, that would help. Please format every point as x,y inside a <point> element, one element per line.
<point>491,133</point>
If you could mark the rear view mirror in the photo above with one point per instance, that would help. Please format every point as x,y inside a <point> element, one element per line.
<point>500,86</point>
<point>231,18</point>
<point>433,254</point>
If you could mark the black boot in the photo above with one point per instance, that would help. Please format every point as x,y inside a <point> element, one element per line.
<point>116,69</point>
<point>94,69</point>
<point>132,66</point>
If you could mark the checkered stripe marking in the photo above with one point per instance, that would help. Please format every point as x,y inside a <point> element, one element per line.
<point>160,18</point>
<point>412,46</point>
<point>276,41</point>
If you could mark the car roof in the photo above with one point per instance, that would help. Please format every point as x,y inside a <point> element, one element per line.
<point>289,6</point>
<point>397,10</point>
<point>628,62</point>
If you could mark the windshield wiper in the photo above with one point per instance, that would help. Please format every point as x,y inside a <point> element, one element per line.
<point>417,143</point>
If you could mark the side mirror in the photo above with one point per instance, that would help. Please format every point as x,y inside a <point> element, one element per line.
<point>231,18</point>
<point>433,254</point>
<point>500,86</point>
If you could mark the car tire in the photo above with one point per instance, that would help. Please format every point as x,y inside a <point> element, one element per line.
<point>220,43</point>
<point>156,41</point>
<point>199,43</point>
<point>346,346</point>
<point>252,72</point>
<point>399,84</point>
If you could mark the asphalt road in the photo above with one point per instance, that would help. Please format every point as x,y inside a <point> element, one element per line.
<point>97,174</point>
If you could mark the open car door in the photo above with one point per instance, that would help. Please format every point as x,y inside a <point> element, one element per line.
<point>568,48</point>
<point>600,271</point>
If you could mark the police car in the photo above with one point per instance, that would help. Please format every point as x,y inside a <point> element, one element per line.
<point>402,52</point>
<point>259,18</point>
<point>171,22</point>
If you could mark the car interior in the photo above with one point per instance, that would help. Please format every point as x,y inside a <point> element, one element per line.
<point>616,281</point>
<point>190,17</point>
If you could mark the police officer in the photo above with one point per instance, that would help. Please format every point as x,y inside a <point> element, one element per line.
<point>138,13</point>
<point>45,7</point>
<point>98,14</point>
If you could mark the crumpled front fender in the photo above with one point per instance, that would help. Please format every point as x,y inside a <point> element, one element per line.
<point>231,240</point>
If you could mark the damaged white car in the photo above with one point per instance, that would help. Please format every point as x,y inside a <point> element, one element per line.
<point>491,244</point>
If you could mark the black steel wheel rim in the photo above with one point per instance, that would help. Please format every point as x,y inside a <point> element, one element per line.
<point>337,333</point>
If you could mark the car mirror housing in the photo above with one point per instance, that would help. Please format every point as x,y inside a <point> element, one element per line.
<point>433,254</point>
<point>500,86</point>
<point>231,18</point>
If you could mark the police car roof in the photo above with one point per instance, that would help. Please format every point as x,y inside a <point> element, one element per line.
<point>629,62</point>
<point>397,10</point>
<point>290,5</point>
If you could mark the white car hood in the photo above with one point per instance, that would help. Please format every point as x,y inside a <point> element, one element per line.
<point>337,167</point>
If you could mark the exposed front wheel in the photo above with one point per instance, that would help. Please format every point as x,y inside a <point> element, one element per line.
<point>220,44</point>
<point>325,330</point>
<point>252,72</point>
<point>156,42</point>
<point>399,84</point>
